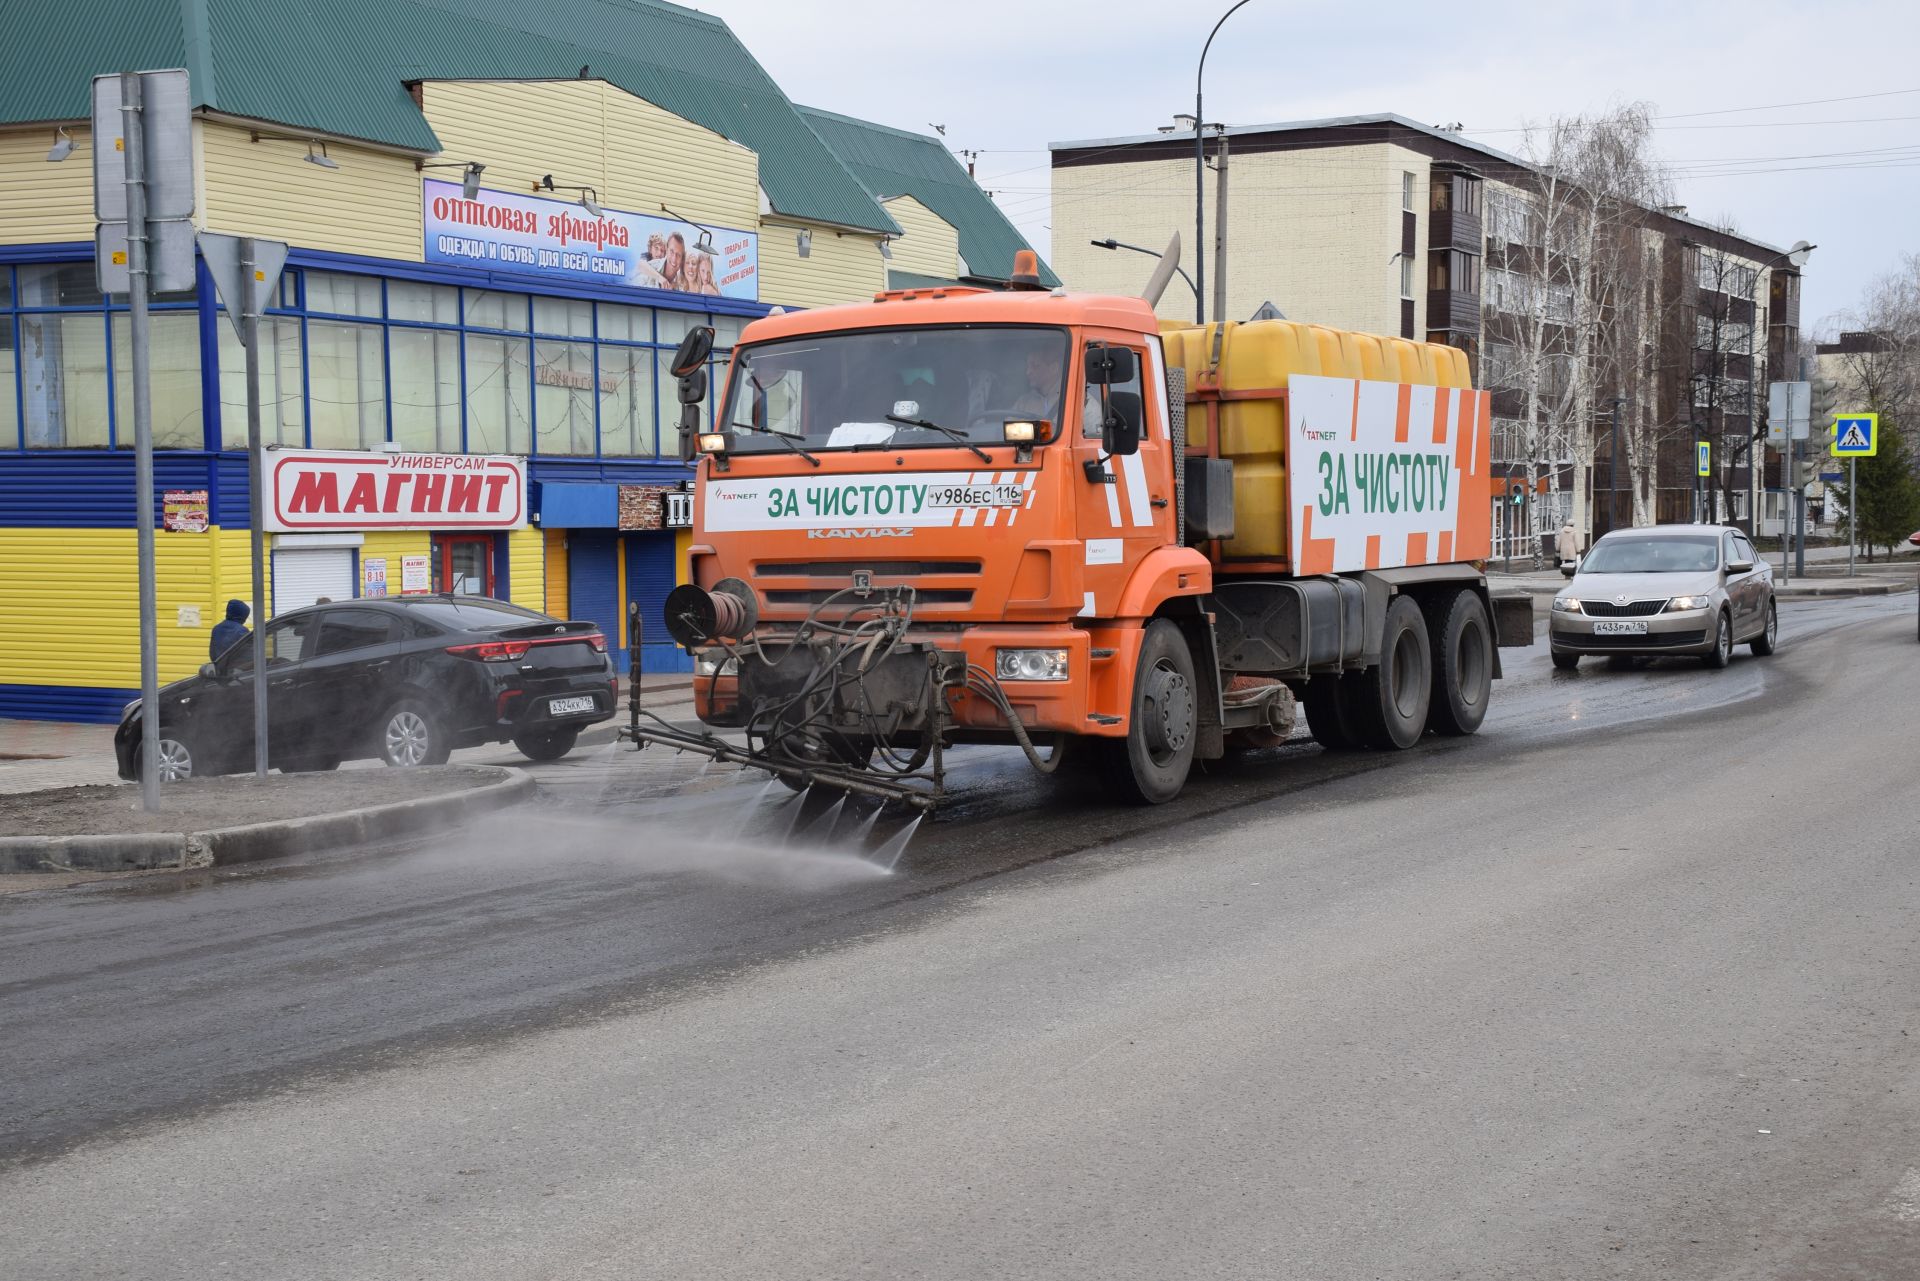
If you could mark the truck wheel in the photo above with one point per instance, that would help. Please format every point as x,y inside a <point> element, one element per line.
<point>1150,765</point>
<point>1331,700</point>
<point>1395,695</point>
<point>1461,641</point>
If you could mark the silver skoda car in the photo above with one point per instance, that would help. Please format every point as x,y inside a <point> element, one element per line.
<point>1666,589</point>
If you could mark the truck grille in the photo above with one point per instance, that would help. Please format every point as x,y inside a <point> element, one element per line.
<point>922,597</point>
<point>1632,609</point>
<point>878,568</point>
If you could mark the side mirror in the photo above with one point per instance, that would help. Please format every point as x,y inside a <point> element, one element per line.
<point>1568,569</point>
<point>693,385</point>
<point>1110,365</point>
<point>694,350</point>
<point>1739,567</point>
<point>1120,433</point>
<point>208,672</point>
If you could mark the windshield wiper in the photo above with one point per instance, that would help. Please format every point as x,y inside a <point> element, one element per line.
<point>952,433</point>
<point>779,436</point>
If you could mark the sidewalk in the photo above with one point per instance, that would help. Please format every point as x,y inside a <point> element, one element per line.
<point>35,755</point>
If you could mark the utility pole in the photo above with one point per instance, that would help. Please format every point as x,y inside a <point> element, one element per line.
<point>256,501</point>
<point>1220,230</point>
<point>133,130</point>
<point>1200,171</point>
<point>1800,493</point>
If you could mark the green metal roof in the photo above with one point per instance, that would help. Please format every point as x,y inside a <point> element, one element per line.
<point>894,162</point>
<point>914,280</point>
<point>341,67</point>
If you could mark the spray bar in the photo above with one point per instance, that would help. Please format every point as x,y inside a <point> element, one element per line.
<point>877,786</point>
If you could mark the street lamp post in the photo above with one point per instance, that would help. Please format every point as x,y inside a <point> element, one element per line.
<point>1200,173</point>
<point>1111,243</point>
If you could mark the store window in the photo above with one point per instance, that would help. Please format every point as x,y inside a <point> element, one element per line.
<point>63,380</point>
<point>625,324</point>
<point>626,402</point>
<point>63,284</point>
<point>346,385</point>
<point>423,304</point>
<point>426,389</point>
<point>282,406</point>
<point>488,310</point>
<point>338,294</point>
<point>566,316</point>
<point>173,379</point>
<point>9,367</point>
<point>498,388</point>
<point>564,395</point>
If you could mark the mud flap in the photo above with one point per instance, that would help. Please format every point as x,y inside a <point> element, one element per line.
<point>1512,619</point>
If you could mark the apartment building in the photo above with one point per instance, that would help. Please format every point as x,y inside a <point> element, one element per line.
<point>1382,224</point>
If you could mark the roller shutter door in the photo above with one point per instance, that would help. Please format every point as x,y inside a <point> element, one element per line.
<point>592,590</point>
<point>303,575</point>
<point>650,576</point>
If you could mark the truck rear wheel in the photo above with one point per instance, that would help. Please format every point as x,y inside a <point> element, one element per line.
<point>1395,695</point>
<point>1150,765</point>
<point>1461,641</point>
<point>1331,703</point>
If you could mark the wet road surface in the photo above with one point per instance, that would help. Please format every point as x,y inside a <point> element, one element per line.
<point>630,930</point>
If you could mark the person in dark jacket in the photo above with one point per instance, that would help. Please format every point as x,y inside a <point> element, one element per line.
<point>230,630</point>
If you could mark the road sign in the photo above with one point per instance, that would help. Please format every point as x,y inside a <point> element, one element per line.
<point>1703,457</point>
<point>1831,476</point>
<point>169,257</point>
<point>223,255</point>
<point>166,117</point>
<point>1856,435</point>
<point>1789,406</point>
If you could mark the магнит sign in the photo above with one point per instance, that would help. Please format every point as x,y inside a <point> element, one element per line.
<point>312,491</point>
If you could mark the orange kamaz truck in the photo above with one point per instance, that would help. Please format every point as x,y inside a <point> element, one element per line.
<point>1043,519</point>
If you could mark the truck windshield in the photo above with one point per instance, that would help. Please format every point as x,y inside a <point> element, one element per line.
<point>848,390</point>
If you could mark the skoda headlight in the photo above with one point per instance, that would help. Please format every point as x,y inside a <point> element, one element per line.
<point>1567,604</point>
<point>1688,602</point>
<point>1030,664</point>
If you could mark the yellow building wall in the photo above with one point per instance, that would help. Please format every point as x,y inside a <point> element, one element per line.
<point>369,205</point>
<point>42,203</point>
<point>82,586</point>
<point>930,247</point>
<point>1312,231</point>
<point>527,568</point>
<point>392,544</point>
<point>559,602</point>
<point>845,266</point>
<point>635,155</point>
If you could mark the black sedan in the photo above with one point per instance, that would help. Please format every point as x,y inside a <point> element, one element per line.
<point>404,678</point>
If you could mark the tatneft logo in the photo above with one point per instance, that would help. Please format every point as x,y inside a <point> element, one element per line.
<point>735,495</point>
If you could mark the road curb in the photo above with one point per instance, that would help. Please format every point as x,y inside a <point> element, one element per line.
<point>253,842</point>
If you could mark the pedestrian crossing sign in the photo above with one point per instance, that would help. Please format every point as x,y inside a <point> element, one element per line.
<point>1856,435</point>
<point>1703,458</point>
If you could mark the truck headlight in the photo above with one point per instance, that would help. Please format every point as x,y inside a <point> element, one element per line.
<point>1688,602</point>
<point>1567,604</point>
<point>1030,664</point>
<point>714,662</point>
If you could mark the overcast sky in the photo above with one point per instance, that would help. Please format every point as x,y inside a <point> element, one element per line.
<point>1006,77</point>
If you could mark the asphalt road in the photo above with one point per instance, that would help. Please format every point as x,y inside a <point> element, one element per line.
<point>1625,986</point>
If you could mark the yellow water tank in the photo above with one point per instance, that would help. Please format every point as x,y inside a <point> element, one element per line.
<point>1237,376</point>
